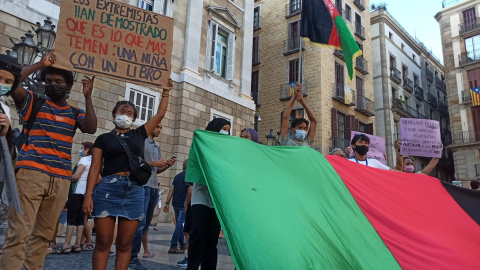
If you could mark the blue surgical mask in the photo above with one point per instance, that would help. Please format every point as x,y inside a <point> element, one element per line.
<point>223,132</point>
<point>300,134</point>
<point>4,88</point>
<point>80,152</point>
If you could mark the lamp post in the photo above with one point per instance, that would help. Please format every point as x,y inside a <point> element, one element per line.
<point>270,137</point>
<point>45,35</point>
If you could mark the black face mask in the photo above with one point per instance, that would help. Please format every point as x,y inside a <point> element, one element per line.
<point>55,91</point>
<point>362,150</point>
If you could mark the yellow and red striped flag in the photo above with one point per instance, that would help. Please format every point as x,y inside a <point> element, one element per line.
<point>475,92</point>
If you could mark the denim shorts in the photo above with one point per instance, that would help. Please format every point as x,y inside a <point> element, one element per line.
<point>118,196</point>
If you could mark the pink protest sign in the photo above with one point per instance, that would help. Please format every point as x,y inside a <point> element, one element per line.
<point>420,137</point>
<point>377,147</point>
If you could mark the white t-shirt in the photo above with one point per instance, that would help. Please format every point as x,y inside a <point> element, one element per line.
<point>82,182</point>
<point>372,163</point>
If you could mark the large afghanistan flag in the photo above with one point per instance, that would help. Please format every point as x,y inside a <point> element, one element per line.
<point>322,25</point>
<point>293,208</point>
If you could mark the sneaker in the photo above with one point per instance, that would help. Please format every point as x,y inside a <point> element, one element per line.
<point>136,265</point>
<point>183,263</point>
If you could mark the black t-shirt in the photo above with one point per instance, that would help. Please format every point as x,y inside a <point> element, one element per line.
<point>115,159</point>
<point>180,190</point>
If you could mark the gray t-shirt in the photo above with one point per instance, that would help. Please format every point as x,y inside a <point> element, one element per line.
<point>290,141</point>
<point>200,195</point>
<point>152,153</point>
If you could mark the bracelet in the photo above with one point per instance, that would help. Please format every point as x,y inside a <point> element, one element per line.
<point>88,192</point>
<point>167,203</point>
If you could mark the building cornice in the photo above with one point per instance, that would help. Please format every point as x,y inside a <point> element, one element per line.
<point>455,8</point>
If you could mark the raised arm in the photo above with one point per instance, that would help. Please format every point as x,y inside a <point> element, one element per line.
<point>311,116</point>
<point>399,164</point>
<point>97,154</point>
<point>89,125</point>
<point>431,165</point>
<point>162,109</point>
<point>286,114</point>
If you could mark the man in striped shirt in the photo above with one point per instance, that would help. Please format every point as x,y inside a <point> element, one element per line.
<point>44,162</point>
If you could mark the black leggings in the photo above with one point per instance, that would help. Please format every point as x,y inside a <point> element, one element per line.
<point>75,215</point>
<point>202,246</point>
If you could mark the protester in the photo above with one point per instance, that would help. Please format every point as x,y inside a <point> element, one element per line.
<point>406,163</point>
<point>75,215</point>
<point>337,151</point>
<point>188,221</point>
<point>360,145</point>
<point>205,225</point>
<point>153,156</point>
<point>250,134</point>
<point>178,192</point>
<point>44,161</point>
<point>118,193</point>
<point>474,184</point>
<point>298,133</point>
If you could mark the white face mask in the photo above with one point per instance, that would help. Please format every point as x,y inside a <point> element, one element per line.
<point>123,121</point>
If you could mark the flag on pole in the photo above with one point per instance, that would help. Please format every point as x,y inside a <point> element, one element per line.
<point>322,25</point>
<point>291,88</point>
<point>293,208</point>
<point>475,92</point>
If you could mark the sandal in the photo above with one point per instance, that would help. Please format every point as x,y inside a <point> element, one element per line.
<point>175,251</point>
<point>87,247</point>
<point>66,251</point>
<point>77,249</point>
<point>148,255</point>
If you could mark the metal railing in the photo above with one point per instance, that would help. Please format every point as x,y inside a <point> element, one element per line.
<point>440,84</point>
<point>401,107</point>
<point>339,54</point>
<point>337,142</point>
<point>360,31</point>
<point>466,137</point>
<point>432,100</point>
<point>467,27</point>
<point>407,84</point>
<point>365,106</point>
<point>469,57</point>
<point>429,73</point>
<point>291,45</point>
<point>361,65</point>
<point>293,9</point>
<point>395,75</point>
<point>360,4</point>
<point>418,92</point>
<point>285,93</point>
<point>340,94</point>
<point>466,96</point>
<point>443,107</point>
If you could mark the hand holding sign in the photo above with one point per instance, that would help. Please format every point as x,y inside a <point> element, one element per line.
<point>48,59</point>
<point>420,137</point>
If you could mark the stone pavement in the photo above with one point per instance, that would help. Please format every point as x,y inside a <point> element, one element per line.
<point>158,241</point>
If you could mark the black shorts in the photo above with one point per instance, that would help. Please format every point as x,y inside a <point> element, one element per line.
<point>75,215</point>
<point>188,219</point>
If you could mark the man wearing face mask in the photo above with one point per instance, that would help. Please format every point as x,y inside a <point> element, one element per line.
<point>360,146</point>
<point>44,161</point>
<point>298,133</point>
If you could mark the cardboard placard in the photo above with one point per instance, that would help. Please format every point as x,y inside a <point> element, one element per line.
<point>420,137</point>
<point>376,149</point>
<point>114,40</point>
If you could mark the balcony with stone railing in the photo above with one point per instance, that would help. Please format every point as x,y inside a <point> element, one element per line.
<point>469,26</point>
<point>395,75</point>
<point>407,84</point>
<point>466,96</point>
<point>466,137</point>
<point>403,109</point>
<point>342,95</point>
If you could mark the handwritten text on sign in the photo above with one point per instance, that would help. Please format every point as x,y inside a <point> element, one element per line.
<point>420,137</point>
<point>115,40</point>
<point>376,149</point>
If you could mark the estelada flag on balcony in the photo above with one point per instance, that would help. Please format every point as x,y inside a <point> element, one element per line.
<point>348,95</point>
<point>322,25</point>
<point>291,88</point>
<point>331,213</point>
<point>475,92</point>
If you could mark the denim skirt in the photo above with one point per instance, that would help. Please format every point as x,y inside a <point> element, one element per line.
<point>118,196</point>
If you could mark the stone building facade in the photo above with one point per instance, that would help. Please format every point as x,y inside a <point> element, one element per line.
<point>458,22</point>
<point>324,76</point>
<point>211,70</point>
<point>409,83</point>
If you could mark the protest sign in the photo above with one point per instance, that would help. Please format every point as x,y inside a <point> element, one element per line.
<point>420,137</point>
<point>114,40</point>
<point>377,147</point>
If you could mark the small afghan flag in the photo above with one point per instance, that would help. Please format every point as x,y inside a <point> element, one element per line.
<point>291,88</point>
<point>323,26</point>
<point>475,92</point>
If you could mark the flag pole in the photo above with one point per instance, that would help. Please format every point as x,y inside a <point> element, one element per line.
<point>300,73</point>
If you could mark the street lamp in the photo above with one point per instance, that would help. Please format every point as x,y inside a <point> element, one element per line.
<point>270,137</point>
<point>45,35</point>
<point>26,49</point>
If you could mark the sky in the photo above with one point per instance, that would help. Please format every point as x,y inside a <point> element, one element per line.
<point>416,16</point>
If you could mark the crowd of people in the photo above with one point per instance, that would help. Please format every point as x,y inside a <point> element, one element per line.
<point>115,182</point>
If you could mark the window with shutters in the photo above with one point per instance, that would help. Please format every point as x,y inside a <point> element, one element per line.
<point>293,71</point>
<point>256,50</point>
<point>294,35</point>
<point>221,51</point>
<point>339,77</point>
<point>255,87</point>
<point>341,126</point>
<point>145,100</point>
<point>256,18</point>
<point>348,13</point>
<point>469,19</point>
